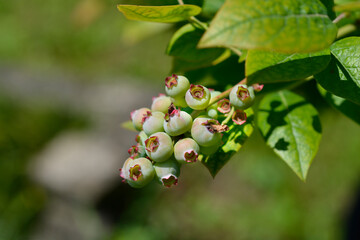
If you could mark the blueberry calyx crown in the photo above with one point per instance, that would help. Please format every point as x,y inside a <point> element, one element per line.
<point>135,172</point>
<point>171,81</point>
<point>224,105</point>
<point>214,126</point>
<point>172,111</point>
<point>239,117</point>
<point>169,180</point>
<point>152,143</point>
<point>242,93</point>
<point>197,91</point>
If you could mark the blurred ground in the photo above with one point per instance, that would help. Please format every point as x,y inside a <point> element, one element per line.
<point>70,73</point>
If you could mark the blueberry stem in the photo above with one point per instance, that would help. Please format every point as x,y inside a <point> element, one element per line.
<point>228,117</point>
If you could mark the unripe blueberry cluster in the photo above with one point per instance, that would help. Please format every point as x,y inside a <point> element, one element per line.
<point>169,136</point>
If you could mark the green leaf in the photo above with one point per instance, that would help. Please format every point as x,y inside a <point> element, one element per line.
<point>183,46</point>
<point>268,67</point>
<point>165,14</point>
<point>289,26</point>
<point>128,125</point>
<point>291,127</point>
<point>233,140</point>
<point>342,76</point>
<point>349,109</point>
<point>210,7</point>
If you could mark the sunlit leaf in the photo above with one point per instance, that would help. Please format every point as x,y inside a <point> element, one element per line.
<point>289,26</point>
<point>165,14</point>
<point>291,127</point>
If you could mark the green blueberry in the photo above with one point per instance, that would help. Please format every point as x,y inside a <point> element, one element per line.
<point>180,102</point>
<point>176,86</point>
<point>177,122</point>
<point>141,137</point>
<point>138,172</point>
<point>137,117</point>
<point>167,172</point>
<point>186,150</point>
<point>242,96</point>
<point>204,133</point>
<point>197,97</point>
<point>159,147</point>
<point>161,103</point>
<point>153,122</point>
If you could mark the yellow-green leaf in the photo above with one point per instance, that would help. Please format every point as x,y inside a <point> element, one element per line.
<point>291,127</point>
<point>288,26</point>
<point>165,14</point>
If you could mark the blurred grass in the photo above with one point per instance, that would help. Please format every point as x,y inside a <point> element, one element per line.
<point>23,132</point>
<point>87,36</point>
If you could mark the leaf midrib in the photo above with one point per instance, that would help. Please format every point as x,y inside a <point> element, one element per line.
<point>283,99</point>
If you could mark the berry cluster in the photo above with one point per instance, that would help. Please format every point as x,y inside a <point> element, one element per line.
<point>170,137</point>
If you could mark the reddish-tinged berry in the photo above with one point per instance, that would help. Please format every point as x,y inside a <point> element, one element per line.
<point>137,117</point>
<point>138,172</point>
<point>159,147</point>
<point>257,87</point>
<point>186,150</point>
<point>153,122</point>
<point>161,103</point>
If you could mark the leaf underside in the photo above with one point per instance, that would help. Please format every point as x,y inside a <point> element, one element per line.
<point>342,76</point>
<point>270,67</point>
<point>291,127</point>
<point>348,108</point>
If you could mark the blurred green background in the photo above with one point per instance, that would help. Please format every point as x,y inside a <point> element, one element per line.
<point>70,73</point>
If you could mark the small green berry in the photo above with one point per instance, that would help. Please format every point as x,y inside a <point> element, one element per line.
<point>211,111</point>
<point>207,132</point>
<point>159,147</point>
<point>180,102</point>
<point>176,86</point>
<point>161,103</point>
<point>177,122</point>
<point>141,137</point>
<point>167,172</point>
<point>138,172</point>
<point>137,117</point>
<point>197,97</point>
<point>186,150</point>
<point>153,122</point>
<point>242,96</point>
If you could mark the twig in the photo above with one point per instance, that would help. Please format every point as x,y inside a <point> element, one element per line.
<point>340,17</point>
